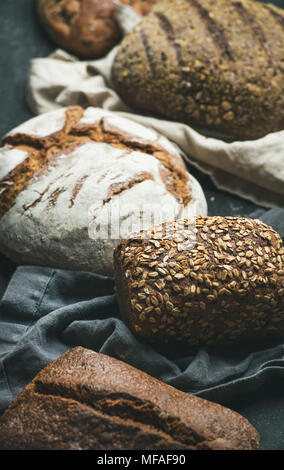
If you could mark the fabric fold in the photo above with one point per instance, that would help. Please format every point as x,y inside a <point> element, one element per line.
<point>46,311</point>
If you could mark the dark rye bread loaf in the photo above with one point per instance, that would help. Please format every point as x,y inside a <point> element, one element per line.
<point>217,65</point>
<point>90,401</point>
<point>209,280</point>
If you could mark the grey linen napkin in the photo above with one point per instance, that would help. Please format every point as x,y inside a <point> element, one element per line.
<point>46,311</point>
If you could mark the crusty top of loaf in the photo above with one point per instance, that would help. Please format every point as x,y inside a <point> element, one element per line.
<point>86,27</point>
<point>214,64</point>
<point>67,128</point>
<point>62,173</point>
<point>116,388</point>
<point>207,280</point>
<point>59,134</point>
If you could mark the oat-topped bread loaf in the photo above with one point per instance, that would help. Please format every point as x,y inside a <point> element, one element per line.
<point>209,280</point>
<point>217,65</point>
<point>74,181</point>
<point>89,401</point>
<point>88,28</point>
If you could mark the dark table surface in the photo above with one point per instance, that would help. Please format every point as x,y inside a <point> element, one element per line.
<point>22,39</point>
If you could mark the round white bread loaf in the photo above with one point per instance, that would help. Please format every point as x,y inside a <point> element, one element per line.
<point>73,182</point>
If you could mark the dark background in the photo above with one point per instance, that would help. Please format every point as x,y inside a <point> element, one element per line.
<point>21,39</point>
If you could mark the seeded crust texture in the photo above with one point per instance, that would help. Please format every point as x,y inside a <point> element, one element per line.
<point>74,181</point>
<point>209,280</point>
<point>89,401</point>
<point>88,28</point>
<point>216,65</point>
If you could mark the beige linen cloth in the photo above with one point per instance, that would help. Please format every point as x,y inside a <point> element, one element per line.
<point>251,169</point>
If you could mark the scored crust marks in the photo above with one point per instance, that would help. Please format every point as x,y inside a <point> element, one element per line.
<point>138,412</point>
<point>39,147</point>
<point>118,188</point>
<point>215,30</point>
<point>214,80</point>
<point>42,151</point>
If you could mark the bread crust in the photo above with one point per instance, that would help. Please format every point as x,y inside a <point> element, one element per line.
<point>89,401</point>
<point>205,281</point>
<point>70,179</point>
<point>214,65</point>
<point>87,28</point>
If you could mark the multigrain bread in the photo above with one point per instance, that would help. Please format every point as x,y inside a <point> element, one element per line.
<point>87,28</point>
<point>210,280</point>
<point>216,65</point>
<point>89,401</point>
<point>73,182</point>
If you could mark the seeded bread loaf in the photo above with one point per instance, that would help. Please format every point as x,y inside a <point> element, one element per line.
<point>216,65</point>
<point>89,401</point>
<point>73,182</point>
<point>209,280</point>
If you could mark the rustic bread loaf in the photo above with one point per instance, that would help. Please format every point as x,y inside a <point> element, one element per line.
<point>88,28</point>
<point>217,65</point>
<point>90,401</point>
<point>73,182</point>
<point>209,280</point>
